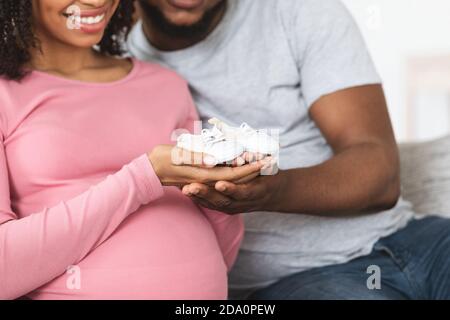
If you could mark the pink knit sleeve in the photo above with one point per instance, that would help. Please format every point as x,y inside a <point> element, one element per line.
<point>36,249</point>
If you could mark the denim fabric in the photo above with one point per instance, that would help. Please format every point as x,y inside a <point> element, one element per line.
<point>414,264</point>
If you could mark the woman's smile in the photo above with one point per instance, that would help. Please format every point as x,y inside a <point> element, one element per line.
<point>88,20</point>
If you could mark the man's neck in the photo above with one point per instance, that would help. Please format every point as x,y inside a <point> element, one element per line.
<point>165,42</point>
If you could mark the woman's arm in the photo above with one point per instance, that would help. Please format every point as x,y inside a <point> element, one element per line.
<point>36,249</point>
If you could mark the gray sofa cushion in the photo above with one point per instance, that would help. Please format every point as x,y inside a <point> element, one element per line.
<point>425,176</point>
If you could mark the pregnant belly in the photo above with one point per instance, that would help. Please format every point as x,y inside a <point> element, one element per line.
<point>166,250</point>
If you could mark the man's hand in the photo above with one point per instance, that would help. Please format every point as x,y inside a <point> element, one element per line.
<point>361,178</point>
<point>241,196</point>
<point>257,195</point>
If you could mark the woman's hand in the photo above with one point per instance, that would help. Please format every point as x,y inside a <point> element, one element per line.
<point>178,167</point>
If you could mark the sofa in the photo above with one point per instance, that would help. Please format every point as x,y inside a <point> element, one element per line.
<point>425,176</point>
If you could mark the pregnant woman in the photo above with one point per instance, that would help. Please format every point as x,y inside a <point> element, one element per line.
<point>88,203</point>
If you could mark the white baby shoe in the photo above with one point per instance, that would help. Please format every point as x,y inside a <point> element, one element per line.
<point>212,142</point>
<point>254,141</point>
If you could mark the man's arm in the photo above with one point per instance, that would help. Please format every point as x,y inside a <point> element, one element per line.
<point>362,177</point>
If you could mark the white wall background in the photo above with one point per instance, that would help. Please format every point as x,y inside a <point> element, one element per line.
<point>396,30</point>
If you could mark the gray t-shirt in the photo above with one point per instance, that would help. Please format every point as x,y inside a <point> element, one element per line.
<point>265,64</point>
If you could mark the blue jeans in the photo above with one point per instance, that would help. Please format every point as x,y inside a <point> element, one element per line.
<point>414,263</point>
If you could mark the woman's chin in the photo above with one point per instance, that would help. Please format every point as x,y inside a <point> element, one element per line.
<point>86,42</point>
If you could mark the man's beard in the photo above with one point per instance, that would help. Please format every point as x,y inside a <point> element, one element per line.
<point>163,25</point>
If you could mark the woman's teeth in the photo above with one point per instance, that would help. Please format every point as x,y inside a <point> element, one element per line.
<point>91,20</point>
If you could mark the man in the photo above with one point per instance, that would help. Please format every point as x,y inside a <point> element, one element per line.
<point>333,213</point>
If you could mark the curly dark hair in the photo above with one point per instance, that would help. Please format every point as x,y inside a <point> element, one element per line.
<point>17,37</point>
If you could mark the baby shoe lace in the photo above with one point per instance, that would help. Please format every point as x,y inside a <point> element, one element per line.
<point>211,137</point>
<point>245,128</point>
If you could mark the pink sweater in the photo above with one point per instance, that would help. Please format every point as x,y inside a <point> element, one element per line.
<point>76,188</point>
